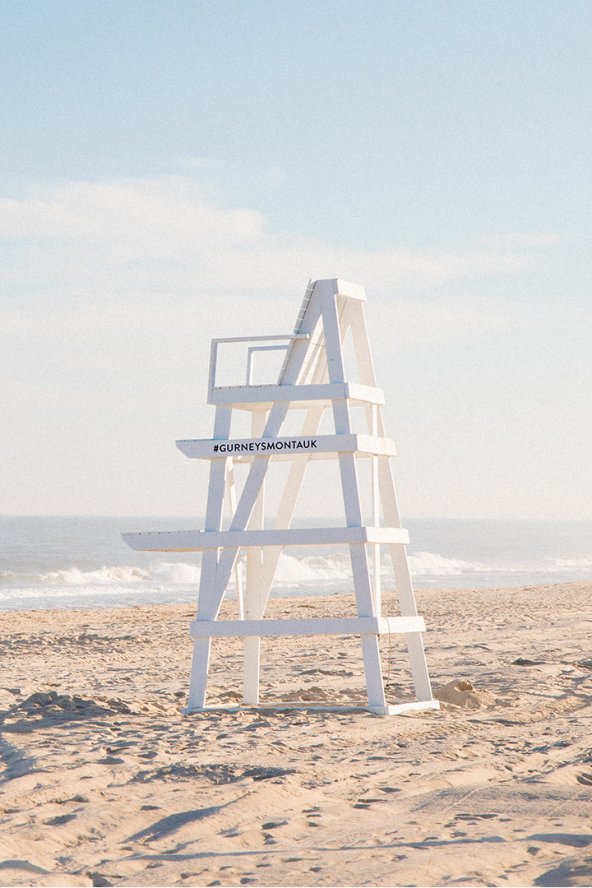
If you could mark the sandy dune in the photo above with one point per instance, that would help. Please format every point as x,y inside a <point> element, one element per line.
<point>105,782</point>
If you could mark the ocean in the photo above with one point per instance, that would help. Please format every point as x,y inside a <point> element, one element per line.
<point>74,562</point>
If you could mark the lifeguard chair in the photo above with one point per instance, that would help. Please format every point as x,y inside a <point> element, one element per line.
<point>312,379</point>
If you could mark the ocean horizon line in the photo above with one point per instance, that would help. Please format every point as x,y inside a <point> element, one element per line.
<point>194,516</point>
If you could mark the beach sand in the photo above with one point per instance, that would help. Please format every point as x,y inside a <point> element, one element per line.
<point>105,782</point>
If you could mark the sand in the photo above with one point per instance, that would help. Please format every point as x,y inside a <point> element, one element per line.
<point>105,782</point>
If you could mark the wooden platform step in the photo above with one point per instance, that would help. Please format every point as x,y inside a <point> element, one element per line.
<point>257,397</point>
<point>311,626</point>
<point>196,540</point>
<point>313,446</point>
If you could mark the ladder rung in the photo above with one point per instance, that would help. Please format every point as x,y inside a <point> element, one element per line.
<point>315,626</point>
<point>258,395</point>
<point>196,540</point>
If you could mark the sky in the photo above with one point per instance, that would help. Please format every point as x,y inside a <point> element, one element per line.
<point>174,171</point>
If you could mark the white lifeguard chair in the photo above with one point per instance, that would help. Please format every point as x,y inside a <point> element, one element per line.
<point>312,379</point>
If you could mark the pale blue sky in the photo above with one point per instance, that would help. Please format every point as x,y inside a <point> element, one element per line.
<point>171,171</point>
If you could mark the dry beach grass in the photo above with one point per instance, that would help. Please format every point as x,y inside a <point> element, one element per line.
<point>105,782</point>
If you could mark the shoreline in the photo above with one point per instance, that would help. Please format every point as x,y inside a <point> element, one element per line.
<point>106,782</point>
<point>189,598</point>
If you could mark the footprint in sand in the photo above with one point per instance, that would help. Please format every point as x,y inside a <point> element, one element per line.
<point>366,802</point>
<point>60,820</point>
<point>474,816</point>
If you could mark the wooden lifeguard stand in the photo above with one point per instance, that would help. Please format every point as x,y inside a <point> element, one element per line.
<point>313,379</point>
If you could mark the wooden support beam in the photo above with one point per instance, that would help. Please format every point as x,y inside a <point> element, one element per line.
<point>257,396</point>
<point>196,540</point>
<point>312,378</point>
<point>313,626</point>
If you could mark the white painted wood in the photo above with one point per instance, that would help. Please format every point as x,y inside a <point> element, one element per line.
<point>376,551</point>
<point>367,377</point>
<point>212,368</point>
<point>288,341</point>
<point>205,609</point>
<point>312,377</point>
<point>351,497</point>
<point>404,587</point>
<point>292,488</point>
<point>396,709</point>
<point>375,427</point>
<point>254,609</point>
<point>362,345</point>
<point>315,371</point>
<point>257,396</point>
<point>400,625</point>
<point>400,708</point>
<point>313,626</point>
<point>287,336</point>
<point>196,540</point>
<point>252,351</point>
<point>286,456</point>
<point>349,290</point>
<point>258,469</point>
<point>238,571</point>
<point>286,447</point>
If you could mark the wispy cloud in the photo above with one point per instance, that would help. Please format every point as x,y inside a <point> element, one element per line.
<point>165,236</point>
<point>110,292</point>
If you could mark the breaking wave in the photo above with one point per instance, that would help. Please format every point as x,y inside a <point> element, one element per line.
<point>172,574</point>
<point>162,580</point>
<point>430,564</point>
<point>574,563</point>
